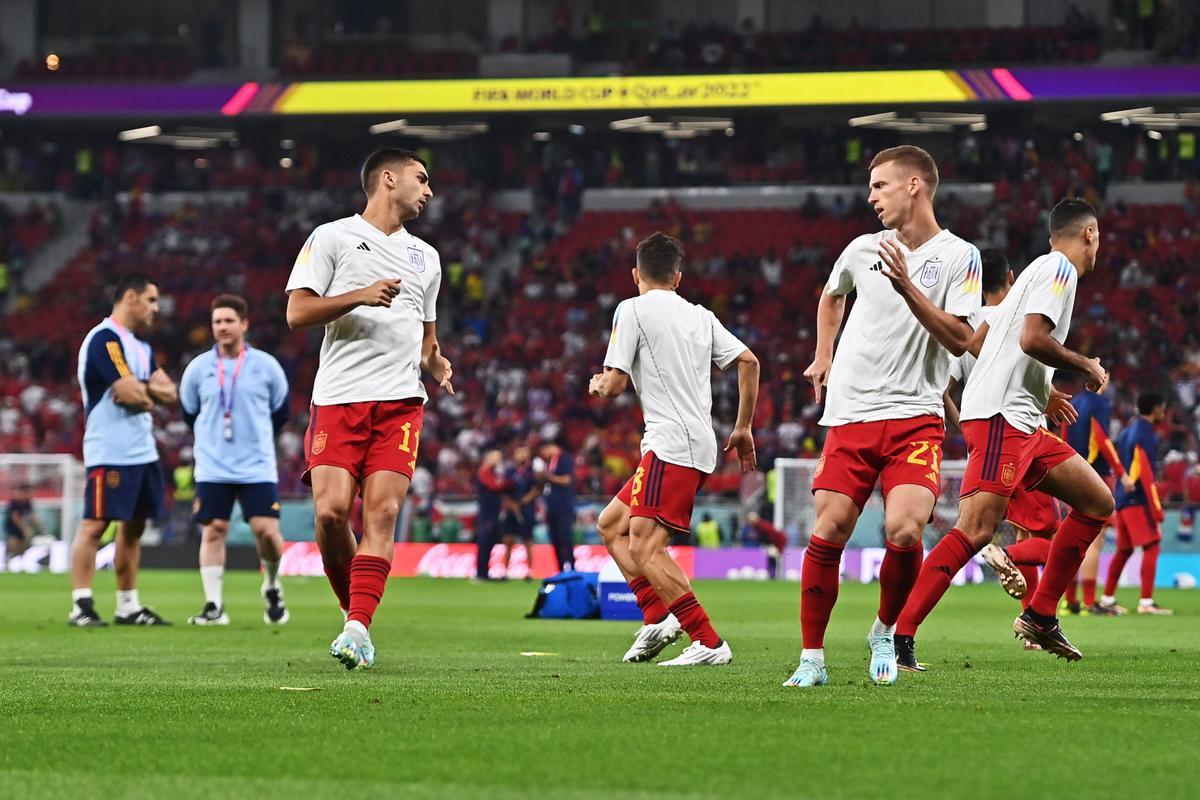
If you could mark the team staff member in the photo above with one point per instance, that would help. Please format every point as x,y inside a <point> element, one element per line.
<point>235,397</point>
<point>124,479</point>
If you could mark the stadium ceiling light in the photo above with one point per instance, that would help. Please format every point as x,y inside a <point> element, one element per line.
<point>541,136</point>
<point>673,126</point>
<point>1155,135</point>
<point>1117,116</point>
<point>922,121</point>
<point>133,134</point>
<point>1151,117</point>
<point>188,142</point>
<point>388,127</point>
<point>631,123</point>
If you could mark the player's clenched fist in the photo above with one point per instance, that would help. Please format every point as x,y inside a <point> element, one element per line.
<point>1095,376</point>
<point>380,293</point>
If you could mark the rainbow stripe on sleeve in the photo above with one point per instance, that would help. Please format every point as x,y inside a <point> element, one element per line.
<point>973,285</point>
<point>1062,276</point>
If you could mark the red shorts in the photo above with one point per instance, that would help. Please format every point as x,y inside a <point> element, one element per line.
<point>662,491</point>
<point>1001,458</point>
<point>367,437</point>
<point>1036,512</point>
<point>901,451</point>
<point>1136,528</point>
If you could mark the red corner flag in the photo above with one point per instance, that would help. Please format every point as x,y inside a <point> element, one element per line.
<point>1142,471</point>
<point>1100,445</point>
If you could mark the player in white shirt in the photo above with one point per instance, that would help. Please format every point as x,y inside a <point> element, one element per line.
<point>1034,515</point>
<point>667,347</point>
<point>884,400</point>
<point>1009,388</point>
<point>373,286</point>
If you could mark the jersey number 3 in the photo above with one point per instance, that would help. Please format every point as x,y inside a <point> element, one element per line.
<point>637,486</point>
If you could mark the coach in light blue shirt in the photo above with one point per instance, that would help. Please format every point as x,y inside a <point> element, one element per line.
<point>120,385</point>
<point>236,398</point>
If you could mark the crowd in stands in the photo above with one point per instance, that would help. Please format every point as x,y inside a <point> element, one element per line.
<point>525,342</point>
<point>566,164</point>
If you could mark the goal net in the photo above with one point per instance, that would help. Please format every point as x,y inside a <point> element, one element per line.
<point>794,511</point>
<point>56,484</point>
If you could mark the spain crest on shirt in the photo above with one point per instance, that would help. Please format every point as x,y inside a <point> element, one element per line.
<point>417,259</point>
<point>931,272</point>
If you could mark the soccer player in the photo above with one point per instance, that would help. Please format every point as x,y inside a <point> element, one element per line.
<point>667,347</point>
<point>1034,515</point>
<point>884,404</point>
<point>1001,413</point>
<point>1137,525</point>
<point>120,386</point>
<point>20,523</point>
<point>489,502</point>
<point>521,501</point>
<point>235,397</point>
<point>373,286</point>
<point>1091,406</point>
<point>558,473</point>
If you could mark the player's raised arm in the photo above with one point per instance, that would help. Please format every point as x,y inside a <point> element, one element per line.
<point>952,332</point>
<point>307,309</point>
<point>1037,342</point>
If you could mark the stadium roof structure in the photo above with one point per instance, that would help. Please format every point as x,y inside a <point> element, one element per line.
<point>619,93</point>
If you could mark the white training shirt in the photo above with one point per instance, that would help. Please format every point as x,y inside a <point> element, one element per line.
<point>667,346</point>
<point>1005,380</point>
<point>960,368</point>
<point>887,365</point>
<point>370,353</point>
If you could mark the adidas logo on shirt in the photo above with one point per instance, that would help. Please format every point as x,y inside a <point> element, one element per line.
<point>877,266</point>
<point>363,246</point>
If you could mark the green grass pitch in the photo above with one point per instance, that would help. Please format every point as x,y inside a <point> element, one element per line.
<point>453,710</point>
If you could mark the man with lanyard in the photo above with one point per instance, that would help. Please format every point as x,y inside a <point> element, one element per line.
<point>557,468</point>
<point>124,479</point>
<point>235,397</point>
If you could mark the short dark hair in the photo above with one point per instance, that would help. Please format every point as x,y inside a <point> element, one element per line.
<point>231,301</point>
<point>912,157</point>
<point>383,157</point>
<point>1071,212</point>
<point>1148,401</point>
<point>136,281</point>
<point>659,257</point>
<point>995,270</point>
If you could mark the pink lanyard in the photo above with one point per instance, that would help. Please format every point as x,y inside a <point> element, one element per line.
<point>227,409</point>
<point>132,348</point>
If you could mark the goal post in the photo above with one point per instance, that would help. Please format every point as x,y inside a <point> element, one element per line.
<point>795,514</point>
<point>56,481</point>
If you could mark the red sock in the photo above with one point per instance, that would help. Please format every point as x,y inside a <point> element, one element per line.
<point>653,610</point>
<point>1067,550</point>
<point>339,579</point>
<point>368,577</point>
<point>818,589</point>
<point>694,620</point>
<point>1029,553</point>
<point>1089,591</point>
<point>1149,567</point>
<point>1030,573</point>
<point>1115,568</point>
<point>1071,594</point>
<point>951,554</point>
<point>897,575</point>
